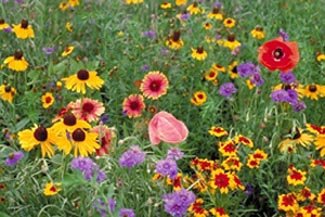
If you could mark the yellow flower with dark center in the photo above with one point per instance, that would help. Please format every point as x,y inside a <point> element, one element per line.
<point>229,22</point>
<point>199,98</point>
<point>218,68</point>
<point>218,131</point>
<point>7,93</point>
<point>47,100</point>
<point>244,140</point>
<point>207,26</point>
<point>232,70</point>
<point>258,33</point>
<point>250,84</point>
<point>165,5</point>
<point>38,136</point>
<point>221,180</point>
<point>64,6</point>
<point>51,189</point>
<point>197,209</point>
<point>218,212</point>
<point>313,91</point>
<point>305,194</point>
<point>296,177</point>
<point>215,14</point>
<point>288,203</point>
<point>69,123</point>
<point>319,57</point>
<point>211,75</point>
<point>180,2</point>
<point>73,3</point>
<point>194,8</point>
<point>129,2</point>
<point>321,197</point>
<point>68,26</point>
<point>67,51</point>
<point>230,43</point>
<point>299,138</point>
<point>174,41</point>
<point>199,54</point>
<point>232,163</point>
<point>81,79</point>
<point>16,62</point>
<point>228,148</point>
<point>23,30</point>
<point>3,24</point>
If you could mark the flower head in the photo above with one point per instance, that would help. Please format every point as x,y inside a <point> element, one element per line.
<point>47,100</point>
<point>124,212</point>
<point>175,154</point>
<point>177,203</point>
<point>51,189</point>
<point>17,62</point>
<point>88,168</point>
<point>23,30</point>
<point>14,158</point>
<point>199,54</point>
<point>247,69</point>
<point>7,92</point>
<point>287,77</point>
<point>154,85</point>
<point>133,105</point>
<point>227,89</point>
<point>87,109</point>
<point>167,167</point>
<point>132,157</point>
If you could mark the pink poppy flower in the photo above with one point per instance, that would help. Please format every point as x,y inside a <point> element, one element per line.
<point>165,127</point>
<point>154,85</point>
<point>87,109</point>
<point>133,105</point>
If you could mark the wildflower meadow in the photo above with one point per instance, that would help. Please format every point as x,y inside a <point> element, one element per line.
<point>156,108</point>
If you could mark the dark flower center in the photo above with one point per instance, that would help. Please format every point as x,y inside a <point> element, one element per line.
<point>41,134</point>
<point>88,107</point>
<point>48,99</point>
<point>259,28</point>
<point>229,21</point>
<point>69,119</point>
<point>83,74</point>
<point>312,88</point>
<point>176,36</point>
<point>231,38</point>
<point>155,86</point>
<point>7,89</point>
<point>286,87</point>
<point>2,21</point>
<point>278,53</point>
<point>195,4</point>
<point>215,10</point>
<point>53,189</point>
<point>200,50</point>
<point>78,135</point>
<point>134,105</point>
<point>297,135</point>
<point>200,96</point>
<point>18,55</point>
<point>234,70</point>
<point>24,24</point>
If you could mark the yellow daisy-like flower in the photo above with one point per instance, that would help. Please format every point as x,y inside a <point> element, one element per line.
<point>197,209</point>
<point>81,79</point>
<point>207,26</point>
<point>232,163</point>
<point>199,54</point>
<point>321,197</point>
<point>194,8</point>
<point>51,188</point>
<point>232,70</point>
<point>199,98</point>
<point>313,91</point>
<point>211,75</point>
<point>174,41</point>
<point>244,140</point>
<point>3,24</point>
<point>39,136</point>
<point>218,131</point>
<point>320,57</point>
<point>47,100</point>
<point>258,33</point>
<point>68,26</point>
<point>215,14</point>
<point>16,62</point>
<point>7,93</point>
<point>229,22</point>
<point>228,148</point>
<point>69,123</point>
<point>129,2</point>
<point>305,194</point>
<point>218,212</point>
<point>180,2</point>
<point>23,30</point>
<point>288,203</point>
<point>74,3</point>
<point>250,84</point>
<point>231,42</point>
<point>296,177</point>
<point>67,51</point>
<point>165,5</point>
<point>64,6</point>
<point>299,138</point>
<point>221,180</point>
<point>218,68</point>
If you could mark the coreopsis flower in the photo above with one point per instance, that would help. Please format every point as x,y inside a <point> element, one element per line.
<point>253,163</point>
<point>7,93</point>
<point>199,54</point>
<point>236,183</point>
<point>288,202</point>
<point>51,188</point>
<point>232,70</point>
<point>309,211</point>
<point>89,169</point>
<point>232,163</point>
<point>23,30</point>
<point>258,33</point>
<point>174,41</point>
<point>220,180</point>
<point>194,9</point>
<point>154,85</point>
<point>69,123</point>
<point>227,89</point>
<point>321,197</point>
<point>165,5</point>
<point>87,109</point>
<point>129,2</point>
<point>67,51</point>
<point>197,208</point>
<point>125,212</point>
<point>176,183</point>
<point>47,100</point>
<point>218,212</point>
<point>228,148</point>
<point>318,162</point>
<point>319,57</point>
<point>199,98</point>
<point>133,105</point>
<point>218,131</point>
<point>3,24</point>
<point>295,176</point>
<point>211,75</point>
<point>177,203</point>
<point>13,158</point>
<point>279,54</point>
<point>244,140</point>
<point>313,91</point>
<point>132,157</point>
<point>180,2</point>
<point>16,62</point>
<point>259,154</point>
<point>167,168</point>
<point>229,22</point>
<point>215,14</point>
<point>218,68</point>
<point>203,164</point>
<point>81,79</point>
<point>305,194</point>
<point>299,138</point>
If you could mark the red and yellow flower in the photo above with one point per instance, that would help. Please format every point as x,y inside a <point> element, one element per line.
<point>244,140</point>
<point>221,180</point>
<point>228,148</point>
<point>197,209</point>
<point>288,202</point>
<point>218,131</point>
<point>295,176</point>
<point>218,212</point>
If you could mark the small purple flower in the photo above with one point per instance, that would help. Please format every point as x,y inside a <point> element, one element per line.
<point>167,167</point>
<point>236,51</point>
<point>103,207</point>
<point>104,118</point>
<point>175,154</point>
<point>132,157</point>
<point>177,203</point>
<point>249,189</point>
<point>185,16</point>
<point>88,168</point>
<point>218,36</point>
<point>217,4</point>
<point>8,30</point>
<point>257,79</point>
<point>149,34</point>
<point>279,96</point>
<point>292,96</point>
<point>227,89</point>
<point>287,77</point>
<point>124,212</point>
<point>284,35</point>
<point>14,158</point>
<point>299,106</point>
<point>247,69</point>
<point>145,68</point>
<point>48,50</point>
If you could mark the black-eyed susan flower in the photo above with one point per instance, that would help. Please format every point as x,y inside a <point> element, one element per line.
<point>207,26</point>
<point>17,62</point>
<point>174,41</point>
<point>129,2</point>
<point>218,131</point>
<point>39,136</point>
<point>199,98</point>
<point>232,70</point>
<point>194,9</point>
<point>288,202</point>
<point>211,75</point>
<point>154,85</point>
<point>3,24</point>
<point>218,212</point>
<point>319,57</point>
<point>231,42</point>
<point>67,51</point>
<point>299,138</point>
<point>68,123</point>
<point>215,14</point>
<point>133,105</point>
<point>258,33</point>
<point>220,180</point>
<point>7,93</point>
<point>180,2</point>
<point>47,100</point>
<point>228,148</point>
<point>23,30</point>
<point>295,176</point>
<point>313,91</point>
<point>197,208</point>
<point>51,189</point>
<point>165,5</point>
<point>319,132</point>
<point>250,84</point>
<point>68,26</point>
<point>199,54</point>
<point>81,79</point>
<point>229,22</point>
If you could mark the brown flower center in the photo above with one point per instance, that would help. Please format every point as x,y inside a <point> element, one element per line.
<point>312,88</point>
<point>83,74</point>
<point>69,119</point>
<point>53,189</point>
<point>259,29</point>
<point>200,50</point>
<point>297,135</point>
<point>229,21</point>
<point>195,4</point>
<point>7,89</point>
<point>176,36</point>
<point>215,10</point>
<point>231,38</point>
<point>234,70</point>
<point>48,99</point>
<point>278,53</point>
<point>78,135</point>
<point>24,24</point>
<point>41,134</point>
<point>2,21</point>
<point>18,55</point>
<point>88,107</point>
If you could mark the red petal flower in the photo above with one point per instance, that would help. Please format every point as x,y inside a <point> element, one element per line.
<point>279,54</point>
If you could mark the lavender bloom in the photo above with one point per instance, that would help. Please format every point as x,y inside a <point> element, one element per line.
<point>8,30</point>
<point>249,189</point>
<point>126,213</point>
<point>177,203</point>
<point>217,4</point>
<point>14,158</point>
<point>227,89</point>
<point>132,157</point>
<point>292,96</point>
<point>299,106</point>
<point>145,68</point>
<point>284,35</point>
<point>167,167</point>
<point>257,79</point>
<point>149,34</point>
<point>19,1</point>
<point>185,16</point>
<point>287,77</point>
<point>88,168</point>
<point>279,96</point>
<point>175,154</point>
<point>104,118</point>
<point>48,50</point>
<point>247,69</point>
<point>103,208</point>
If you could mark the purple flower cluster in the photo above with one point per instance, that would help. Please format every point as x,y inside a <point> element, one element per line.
<point>175,154</point>
<point>105,207</point>
<point>14,158</point>
<point>288,96</point>
<point>124,212</point>
<point>250,70</point>
<point>149,34</point>
<point>167,167</point>
<point>48,50</point>
<point>177,203</point>
<point>88,168</point>
<point>287,77</point>
<point>227,89</point>
<point>185,16</point>
<point>132,157</point>
<point>284,35</point>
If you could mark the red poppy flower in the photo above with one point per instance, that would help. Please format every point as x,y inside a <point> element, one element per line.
<point>279,54</point>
